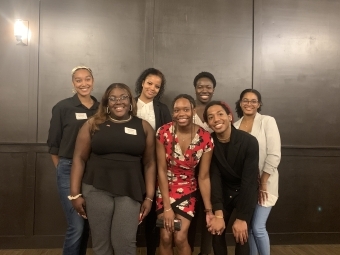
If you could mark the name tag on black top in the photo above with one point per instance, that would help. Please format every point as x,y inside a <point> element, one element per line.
<point>81,116</point>
<point>130,131</point>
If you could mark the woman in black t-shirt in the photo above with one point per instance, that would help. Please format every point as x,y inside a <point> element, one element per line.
<point>68,116</point>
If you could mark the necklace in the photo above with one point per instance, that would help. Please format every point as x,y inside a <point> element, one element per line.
<point>248,123</point>
<point>223,139</point>
<point>120,121</point>
<point>185,136</point>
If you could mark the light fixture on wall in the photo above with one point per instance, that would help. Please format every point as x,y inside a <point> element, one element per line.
<point>21,32</point>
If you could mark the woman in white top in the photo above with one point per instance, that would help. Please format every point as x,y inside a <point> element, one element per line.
<point>149,88</point>
<point>265,129</point>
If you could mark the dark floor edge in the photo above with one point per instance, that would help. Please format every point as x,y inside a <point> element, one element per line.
<point>50,242</point>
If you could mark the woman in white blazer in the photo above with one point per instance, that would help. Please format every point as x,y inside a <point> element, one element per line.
<point>265,129</point>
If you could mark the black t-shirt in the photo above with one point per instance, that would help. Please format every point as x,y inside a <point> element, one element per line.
<point>225,147</point>
<point>68,116</point>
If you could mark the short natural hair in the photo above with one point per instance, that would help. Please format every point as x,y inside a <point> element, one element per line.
<point>224,105</point>
<point>205,75</point>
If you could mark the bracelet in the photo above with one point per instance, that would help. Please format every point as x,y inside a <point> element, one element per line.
<point>219,216</point>
<point>74,197</point>
<point>207,210</point>
<point>147,198</point>
<point>167,210</point>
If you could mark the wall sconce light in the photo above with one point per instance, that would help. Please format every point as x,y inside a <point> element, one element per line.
<point>21,32</point>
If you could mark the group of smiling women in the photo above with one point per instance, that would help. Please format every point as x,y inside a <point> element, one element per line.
<point>128,160</point>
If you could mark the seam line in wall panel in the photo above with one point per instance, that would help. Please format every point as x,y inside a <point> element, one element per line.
<point>153,33</point>
<point>38,80</point>
<point>252,50</point>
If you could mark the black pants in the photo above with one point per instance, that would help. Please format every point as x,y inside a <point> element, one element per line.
<point>219,241</point>
<point>151,232</point>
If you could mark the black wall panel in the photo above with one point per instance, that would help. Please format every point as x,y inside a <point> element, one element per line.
<point>14,72</point>
<point>107,36</point>
<point>194,36</point>
<point>297,68</point>
<point>12,190</point>
<point>306,199</point>
<point>48,215</point>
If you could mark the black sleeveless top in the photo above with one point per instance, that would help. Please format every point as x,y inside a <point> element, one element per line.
<point>115,162</point>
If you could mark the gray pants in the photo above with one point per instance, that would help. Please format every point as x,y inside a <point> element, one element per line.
<point>113,221</point>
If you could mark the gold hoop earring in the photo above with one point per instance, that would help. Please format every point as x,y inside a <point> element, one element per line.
<point>107,110</point>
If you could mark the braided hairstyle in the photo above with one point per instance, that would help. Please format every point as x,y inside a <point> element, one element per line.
<point>193,106</point>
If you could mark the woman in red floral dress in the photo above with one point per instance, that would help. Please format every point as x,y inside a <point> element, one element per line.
<point>181,145</point>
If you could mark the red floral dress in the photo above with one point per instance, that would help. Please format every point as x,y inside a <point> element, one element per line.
<point>181,169</point>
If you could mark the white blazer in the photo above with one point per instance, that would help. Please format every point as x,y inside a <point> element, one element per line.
<point>267,134</point>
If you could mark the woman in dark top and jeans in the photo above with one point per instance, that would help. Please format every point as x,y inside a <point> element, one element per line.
<point>116,199</point>
<point>67,117</point>
<point>150,87</point>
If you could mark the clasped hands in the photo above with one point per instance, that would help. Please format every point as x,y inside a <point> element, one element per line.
<point>216,226</point>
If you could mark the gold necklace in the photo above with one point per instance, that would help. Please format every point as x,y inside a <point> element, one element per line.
<point>250,123</point>
<point>120,121</point>
<point>223,139</point>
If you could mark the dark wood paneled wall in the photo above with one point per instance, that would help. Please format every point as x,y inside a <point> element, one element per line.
<point>288,50</point>
<point>306,212</point>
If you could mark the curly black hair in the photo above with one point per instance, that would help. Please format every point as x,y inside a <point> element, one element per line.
<point>142,77</point>
<point>238,107</point>
<point>205,75</point>
<point>224,105</point>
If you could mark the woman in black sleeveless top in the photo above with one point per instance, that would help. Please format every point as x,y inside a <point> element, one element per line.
<point>111,145</point>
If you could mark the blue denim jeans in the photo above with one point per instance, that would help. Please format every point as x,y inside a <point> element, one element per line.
<point>258,235</point>
<point>77,228</point>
